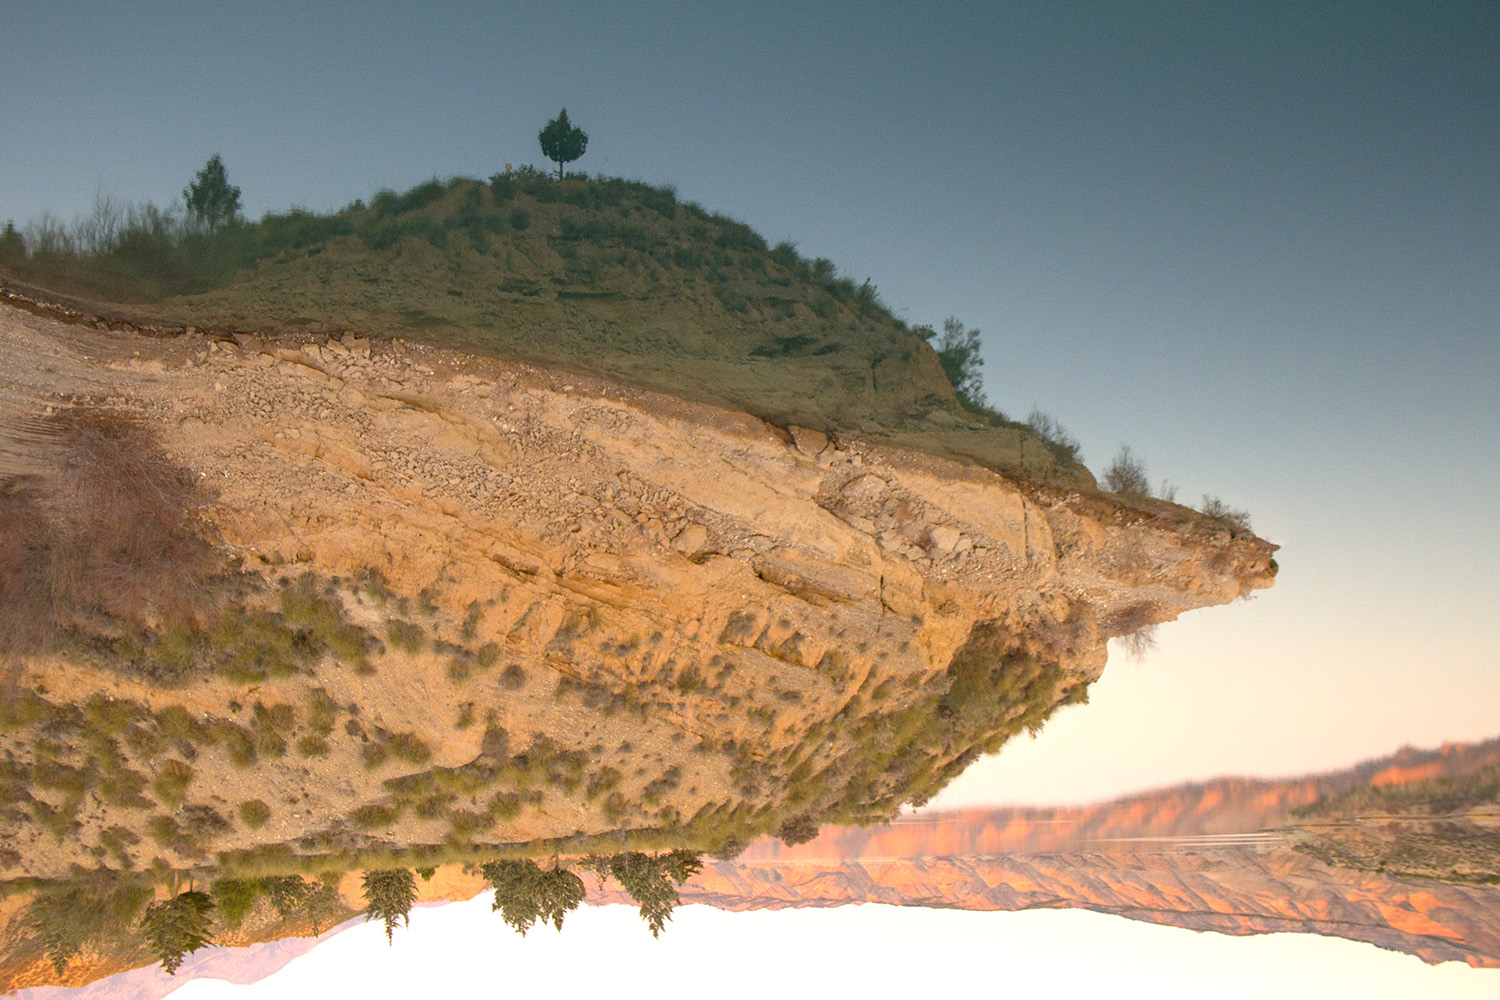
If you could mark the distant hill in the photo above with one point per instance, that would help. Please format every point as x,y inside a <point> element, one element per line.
<point>602,276</point>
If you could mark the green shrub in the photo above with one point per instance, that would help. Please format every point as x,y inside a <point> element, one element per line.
<point>374,816</point>
<point>313,746</point>
<point>375,753</point>
<point>234,899</point>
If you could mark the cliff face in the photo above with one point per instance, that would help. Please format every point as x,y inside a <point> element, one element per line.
<point>697,616</point>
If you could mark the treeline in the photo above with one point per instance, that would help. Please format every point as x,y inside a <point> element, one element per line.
<point>95,911</point>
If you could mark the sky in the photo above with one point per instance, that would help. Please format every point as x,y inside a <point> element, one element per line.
<point>1258,242</point>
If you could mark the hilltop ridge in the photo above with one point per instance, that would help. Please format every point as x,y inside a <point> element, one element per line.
<point>601,276</point>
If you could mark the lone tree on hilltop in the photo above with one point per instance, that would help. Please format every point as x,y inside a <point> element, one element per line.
<point>562,142</point>
<point>211,200</point>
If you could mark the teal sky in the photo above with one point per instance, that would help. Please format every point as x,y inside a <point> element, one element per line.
<point>1259,242</point>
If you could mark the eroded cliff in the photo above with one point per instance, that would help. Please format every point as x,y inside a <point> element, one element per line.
<point>533,607</point>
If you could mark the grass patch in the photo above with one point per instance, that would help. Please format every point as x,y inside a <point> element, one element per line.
<point>171,783</point>
<point>254,813</point>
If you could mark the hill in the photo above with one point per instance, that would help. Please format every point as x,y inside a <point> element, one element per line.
<point>281,599</point>
<point>603,276</point>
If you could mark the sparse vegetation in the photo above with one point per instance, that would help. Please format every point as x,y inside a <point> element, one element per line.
<point>1215,508</point>
<point>1135,628</point>
<point>406,636</point>
<point>110,532</point>
<point>1126,475</point>
<point>880,737</point>
<point>1056,437</point>
<point>572,243</point>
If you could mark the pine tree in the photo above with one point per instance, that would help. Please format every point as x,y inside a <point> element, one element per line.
<point>211,200</point>
<point>958,352</point>
<point>389,895</point>
<point>524,893</point>
<point>648,879</point>
<point>562,142</point>
<point>178,926</point>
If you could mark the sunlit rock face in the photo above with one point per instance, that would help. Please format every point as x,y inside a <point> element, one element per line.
<point>693,621</point>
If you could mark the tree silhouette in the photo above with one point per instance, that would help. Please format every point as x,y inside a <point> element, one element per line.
<point>178,926</point>
<point>648,879</point>
<point>389,895</point>
<point>562,142</point>
<point>211,199</point>
<point>524,893</point>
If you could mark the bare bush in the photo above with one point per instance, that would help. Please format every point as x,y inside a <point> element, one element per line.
<point>1213,507</point>
<point>1135,628</point>
<point>1126,475</point>
<point>1059,441</point>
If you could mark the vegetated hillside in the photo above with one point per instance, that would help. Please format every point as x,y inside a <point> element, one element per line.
<point>604,276</point>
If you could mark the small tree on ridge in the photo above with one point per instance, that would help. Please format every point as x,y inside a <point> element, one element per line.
<point>562,142</point>
<point>211,200</point>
